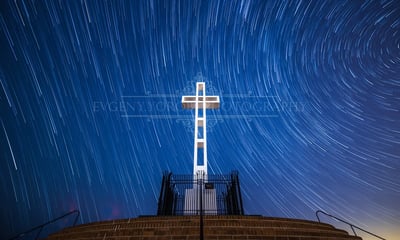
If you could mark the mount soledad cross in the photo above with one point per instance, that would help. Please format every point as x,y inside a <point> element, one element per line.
<point>200,102</point>
<point>197,199</point>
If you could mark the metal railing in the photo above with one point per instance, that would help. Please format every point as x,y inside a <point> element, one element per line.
<point>40,227</point>
<point>173,195</point>
<point>352,226</point>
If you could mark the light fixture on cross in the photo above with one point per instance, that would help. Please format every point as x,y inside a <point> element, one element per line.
<point>200,102</point>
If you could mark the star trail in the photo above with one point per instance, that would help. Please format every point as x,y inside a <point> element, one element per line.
<point>91,115</point>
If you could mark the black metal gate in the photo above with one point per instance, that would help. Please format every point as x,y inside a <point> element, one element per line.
<point>174,190</point>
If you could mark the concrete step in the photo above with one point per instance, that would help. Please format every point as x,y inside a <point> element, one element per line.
<point>194,221</point>
<point>215,227</point>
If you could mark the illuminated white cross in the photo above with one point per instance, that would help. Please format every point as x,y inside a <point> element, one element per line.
<point>200,103</point>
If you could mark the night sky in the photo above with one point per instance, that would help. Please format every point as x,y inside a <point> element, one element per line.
<point>91,114</point>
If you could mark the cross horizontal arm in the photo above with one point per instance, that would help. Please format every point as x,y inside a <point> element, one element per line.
<point>189,102</point>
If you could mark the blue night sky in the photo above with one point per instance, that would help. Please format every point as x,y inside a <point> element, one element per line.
<point>91,114</point>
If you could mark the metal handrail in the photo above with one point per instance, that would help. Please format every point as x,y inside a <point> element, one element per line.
<point>351,225</point>
<point>47,223</point>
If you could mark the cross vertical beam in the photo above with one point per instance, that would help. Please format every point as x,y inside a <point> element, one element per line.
<point>200,103</point>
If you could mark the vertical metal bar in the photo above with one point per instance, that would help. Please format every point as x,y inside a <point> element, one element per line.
<point>201,209</point>
<point>316,213</point>
<point>38,234</point>
<point>355,234</point>
<point>76,218</point>
<point>161,198</point>
<point>239,194</point>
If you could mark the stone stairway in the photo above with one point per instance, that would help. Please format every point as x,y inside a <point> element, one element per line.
<point>215,227</point>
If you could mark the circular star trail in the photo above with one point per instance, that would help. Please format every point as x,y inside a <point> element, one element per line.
<point>91,115</point>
